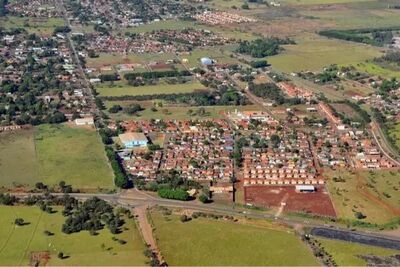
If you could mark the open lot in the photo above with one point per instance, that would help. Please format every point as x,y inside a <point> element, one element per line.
<point>74,155</point>
<point>18,243</point>
<point>273,196</point>
<point>209,242</point>
<point>346,253</point>
<point>120,88</point>
<point>41,26</point>
<point>353,195</point>
<point>18,164</point>
<point>220,55</point>
<point>313,52</point>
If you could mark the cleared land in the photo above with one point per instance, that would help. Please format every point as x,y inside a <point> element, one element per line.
<point>346,253</point>
<point>121,89</point>
<point>41,26</point>
<point>18,163</point>
<point>313,53</point>
<point>74,155</point>
<point>18,242</point>
<point>353,195</point>
<point>210,242</point>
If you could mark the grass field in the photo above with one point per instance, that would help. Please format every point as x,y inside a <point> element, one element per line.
<point>43,26</point>
<point>120,88</point>
<point>83,249</point>
<point>18,158</point>
<point>169,112</point>
<point>374,69</point>
<point>219,55</point>
<point>314,53</point>
<point>75,155</point>
<point>385,184</point>
<point>320,2</point>
<point>345,253</point>
<point>348,198</point>
<point>209,242</point>
<point>395,133</point>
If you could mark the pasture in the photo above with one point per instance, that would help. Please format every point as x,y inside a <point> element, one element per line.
<point>120,88</point>
<point>19,243</point>
<point>377,70</point>
<point>346,253</point>
<point>74,155</point>
<point>312,53</point>
<point>352,194</point>
<point>208,242</point>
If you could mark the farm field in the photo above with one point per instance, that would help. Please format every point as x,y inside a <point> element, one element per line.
<point>209,242</point>
<point>74,155</point>
<point>314,53</point>
<point>171,112</point>
<point>349,197</point>
<point>120,89</point>
<point>18,242</point>
<point>346,253</point>
<point>41,26</point>
<point>18,164</point>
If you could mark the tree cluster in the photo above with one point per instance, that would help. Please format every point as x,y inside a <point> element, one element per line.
<point>260,48</point>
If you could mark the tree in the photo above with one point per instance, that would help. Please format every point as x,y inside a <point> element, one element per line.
<point>19,222</point>
<point>184,218</point>
<point>204,199</point>
<point>60,255</point>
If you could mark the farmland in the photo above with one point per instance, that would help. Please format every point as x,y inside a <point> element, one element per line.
<point>120,89</point>
<point>17,243</point>
<point>210,242</point>
<point>346,253</point>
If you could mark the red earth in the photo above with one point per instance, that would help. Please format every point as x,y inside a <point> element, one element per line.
<point>318,202</point>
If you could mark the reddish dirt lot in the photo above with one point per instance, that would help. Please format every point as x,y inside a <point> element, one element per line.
<point>272,196</point>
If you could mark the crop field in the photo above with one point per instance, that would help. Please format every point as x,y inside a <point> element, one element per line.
<point>74,155</point>
<point>18,163</point>
<point>206,242</point>
<point>19,243</point>
<point>41,26</point>
<point>353,195</point>
<point>121,89</point>
<point>346,253</point>
<point>314,53</point>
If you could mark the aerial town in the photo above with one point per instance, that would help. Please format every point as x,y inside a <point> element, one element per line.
<point>214,133</point>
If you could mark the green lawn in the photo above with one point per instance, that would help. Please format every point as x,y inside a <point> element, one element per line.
<point>345,253</point>
<point>209,242</point>
<point>83,249</point>
<point>347,198</point>
<point>75,155</point>
<point>121,88</point>
<point>18,158</point>
<point>313,52</point>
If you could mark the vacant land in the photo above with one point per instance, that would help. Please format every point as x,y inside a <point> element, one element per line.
<point>41,26</point>
<point>18,163</point>
<point>385,185</point>
<point>314,53</point>
<point>351,194</point>
<point>220,55</point>
<point>395,133</point>
<point>211,243</point>
<point>17,243</point>
<point>346,253</point>
<point>74,155</point>
<point>376,70</point>
<point>120,89</point>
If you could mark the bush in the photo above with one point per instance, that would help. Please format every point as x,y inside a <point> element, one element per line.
<point>184,218</point>
<point>178,194</point>
<point>19,221</point>
<point>204,199</point>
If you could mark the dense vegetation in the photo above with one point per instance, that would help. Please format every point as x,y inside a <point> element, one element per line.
<point>3,9</point>
<point>272,92</point>
<point>120,178</point>
<point>178,194</point>
<point>391,57</point>
<point>260,48</point>
<point>156,74</point>
<point>377,37</point>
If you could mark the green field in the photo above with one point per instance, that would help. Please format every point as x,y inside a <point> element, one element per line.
<point>171,113</point>
<point>345,253</point>
<point>348,198</point>
<point>319,2</point>
<point>313,53</point>
<point>75,155</point>
<point>120,88</point>
<point>209,242</point>
<point>18,158</point>
<point>43,26</point>
<point>17,242</point>
<point>220,55</point>
<point>386,185</point>
<point>395,133</point>
<point>377,70</point>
